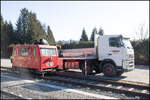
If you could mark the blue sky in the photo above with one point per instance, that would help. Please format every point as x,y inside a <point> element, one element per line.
<point>67,18</point>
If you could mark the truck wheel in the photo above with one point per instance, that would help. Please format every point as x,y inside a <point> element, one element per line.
<point>109,69</point>
<point>89,70</point>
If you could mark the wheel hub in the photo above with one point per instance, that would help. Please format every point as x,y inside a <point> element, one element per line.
<point>108,70</point>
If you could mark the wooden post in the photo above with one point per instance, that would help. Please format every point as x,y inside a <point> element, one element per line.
<point>85,67</point>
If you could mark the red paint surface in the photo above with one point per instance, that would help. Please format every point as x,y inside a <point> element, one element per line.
<point>37,62</point>
<point>115,50</point>
<point>71,65</point>
<point>77,52</point>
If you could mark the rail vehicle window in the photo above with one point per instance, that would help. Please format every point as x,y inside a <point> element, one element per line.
<point>48,51</point>
<point>114,42</point>
<point>14,51</point>
<point>34,51</point>
<point>24,52</point>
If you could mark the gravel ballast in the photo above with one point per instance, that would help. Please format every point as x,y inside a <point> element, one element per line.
<point>37,92</point>
<point>33,91</point>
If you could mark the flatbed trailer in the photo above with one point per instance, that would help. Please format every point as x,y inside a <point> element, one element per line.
<point>79,58</point>
<point>81,62</point>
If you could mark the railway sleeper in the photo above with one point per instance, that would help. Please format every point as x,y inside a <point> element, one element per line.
<point>120,90</point>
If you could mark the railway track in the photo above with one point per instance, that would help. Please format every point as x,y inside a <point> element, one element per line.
<point>128,88</point>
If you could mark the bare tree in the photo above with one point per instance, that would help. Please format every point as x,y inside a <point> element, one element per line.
<point>142,32</point>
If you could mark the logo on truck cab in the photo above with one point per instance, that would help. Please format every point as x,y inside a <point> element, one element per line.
<point>115,50</point>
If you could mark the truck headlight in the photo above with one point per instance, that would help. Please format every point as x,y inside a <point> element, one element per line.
<point>125,64</point>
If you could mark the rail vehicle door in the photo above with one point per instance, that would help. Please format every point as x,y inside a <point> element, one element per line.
<point>31,57</point>
<point>15,56</point>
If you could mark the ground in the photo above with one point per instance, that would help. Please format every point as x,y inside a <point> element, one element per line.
<point>139,74</point>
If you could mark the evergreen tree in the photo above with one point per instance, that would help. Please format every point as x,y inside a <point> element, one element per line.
<point>11,34</point>
<point>101,32</point>
<point>1,20</point>
<point>50,36</point>
<point>29,28</point>
<point>37,31</point>
<point>4,39</point>
<point>7,38</point>
<point>2,24</point>
<point>92,35</point>
<point>84,36</point>
<point>2,36</point>
<point>23,24</point>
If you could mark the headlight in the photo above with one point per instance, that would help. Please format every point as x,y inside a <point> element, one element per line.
<point>50,64</point>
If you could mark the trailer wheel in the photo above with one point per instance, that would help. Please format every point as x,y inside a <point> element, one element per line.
<point>119,73</point>
<point>109,69</point>
<point>89,70</point>
<point>97,70</point>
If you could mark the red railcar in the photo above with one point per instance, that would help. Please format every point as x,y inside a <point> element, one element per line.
<point>41,58</point>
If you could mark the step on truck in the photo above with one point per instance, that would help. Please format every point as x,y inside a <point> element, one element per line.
<point>112,55</point>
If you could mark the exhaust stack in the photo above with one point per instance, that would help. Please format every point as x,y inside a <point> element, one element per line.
<point>96,36</point>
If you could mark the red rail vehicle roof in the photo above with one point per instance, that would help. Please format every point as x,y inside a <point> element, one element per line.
<point>40,46</point>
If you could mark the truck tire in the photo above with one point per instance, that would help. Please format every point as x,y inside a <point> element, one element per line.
<point>89,70</point>
<point>109,69</point>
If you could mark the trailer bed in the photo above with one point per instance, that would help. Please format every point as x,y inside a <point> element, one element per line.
<point>84,53</point>
<point>78,58</point>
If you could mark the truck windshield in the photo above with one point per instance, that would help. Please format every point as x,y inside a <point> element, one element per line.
<point>48,51</point>
<point>127,43</point>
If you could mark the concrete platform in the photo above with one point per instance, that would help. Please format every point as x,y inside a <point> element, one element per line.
<point>140,74</point>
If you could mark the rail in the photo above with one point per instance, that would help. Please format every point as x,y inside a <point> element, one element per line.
<point>108,85</point>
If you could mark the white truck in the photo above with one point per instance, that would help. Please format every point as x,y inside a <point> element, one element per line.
<point>113,55</point>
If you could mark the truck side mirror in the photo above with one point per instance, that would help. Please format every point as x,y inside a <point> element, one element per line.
<point>121,45</point>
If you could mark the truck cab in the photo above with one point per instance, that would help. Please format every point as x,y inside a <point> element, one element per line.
<point>115,54</point>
